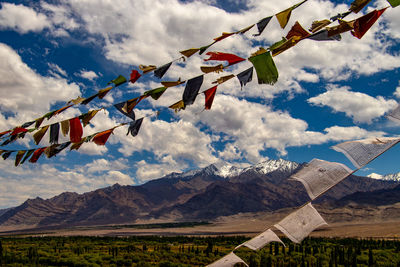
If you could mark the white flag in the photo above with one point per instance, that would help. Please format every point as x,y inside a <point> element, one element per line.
<point>228,261</point>
<point>299,224</point>
<point>361,152</point>
<point>320,175</point>
<point>261,240</point>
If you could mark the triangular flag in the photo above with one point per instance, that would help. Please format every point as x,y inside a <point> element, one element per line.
<point>27,155</point>
<point>155,93</point>
<point>323,36</point>
<point>192,89</point>
<point>229,260</point>
<point>178,106</point>
<point>19,156</point>
<point>135,75</point>
<point>120,107</point>
<point>26,124</point>
<point>7,154</point>
<point>39,134</point>
<point>75,130</point>
<point>364,23</point>
<point>344,26</point>
<point>231,58</point>
<point>357,5</point>
<point>86,118</point>
<point>209,97</point>
<point>262,24</point>
<point>266,70</point>
<point>284,16</point>
<point>160,71</point>
<point>18,130</point>
<point>77,100</point>
<point>245,76</point>
<point>298,31</point>
<point>147,69</point>
<point>134,127</point>
<point>204,48</point>
<point>61,110</point>
<point>36,154</point>
<point>76,146</point>
<point>89,99</point>
<point>394,3</point>
<point>38,122</point>
<point>223,36</point>
<point>286,45</point>
<point>189,52</point>
<point>224,79</point>
<point>319,24</point>
<point>244,30</point>
<point>118,81</point>
<point>172,83</point>
<point>100,139</point>
<point>103,92</point>
<point>217,69</point>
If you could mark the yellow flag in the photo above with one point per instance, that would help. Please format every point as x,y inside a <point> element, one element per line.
<point>224,79</point>
<point>102,93</point>
<point>189,52</point>
<point>284,16</point>
<point>76,146</point>
<point>65,127</point>
<point>19,156</point>
<point>173,83</point>
<point>148,68</point>
<point>39,134</point>
<point>86,119</point>
<point>208,69</point>
<point>178,106</point>
<point>319,24</point>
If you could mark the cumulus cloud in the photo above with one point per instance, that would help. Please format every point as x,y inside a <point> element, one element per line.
<point>22,19</point>
<point>358,106</point>
<point>88,74</point>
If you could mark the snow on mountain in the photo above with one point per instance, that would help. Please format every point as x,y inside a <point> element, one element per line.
<point>389,177</point>
<point>273,165</point>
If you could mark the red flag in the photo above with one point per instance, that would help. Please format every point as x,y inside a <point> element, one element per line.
<point>297,30</point>
<point>231,58</point>
<point>209,96</point>
<point>76,131</point>
<point>362,24</point>
<point>5,132</point>
<point>36,155</point>
<point>135,75</point>
<point>100,139</point>
<point>18,130</point>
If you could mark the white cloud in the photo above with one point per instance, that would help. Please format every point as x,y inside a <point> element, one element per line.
<point>90,75</point>
<point>397,92</point>
<point>358,106</point>
<point>147,171</point>
<point>57,71</point>
<point>22,19</point>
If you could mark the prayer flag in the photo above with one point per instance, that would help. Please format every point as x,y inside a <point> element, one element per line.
<point>36,155</point>
<point>61,110</point>
<point>266,70</point>
<point>299,224</point>
<point>284,16</point>
<point>362,24</point>
<point>75,130</point>
<point>76,146</point>
<point>100,139</point>
<point>19,156</point>
<point>86,118</point>
<point>7,154</point>
<point>53,150</point>
<point>298,31</point>
<point>27,155</point>
<point>27,124</point>
<point>120,108</point>
<point>318,176</point>
<point>192,89</point>
<point>217,69</point>
<point>118,81</point>
<point>172,83</point>
<point>189,52</point>
<point>39,134</point>
<point>18,130</point>
<point>323,36</point>
<point>261,240</point>
<point>103,92</point>
<point>65,127</point>
<point>160,71</point>
<point>244,30</point>
<point>209,97</point>
<point>224,79</point>
<point>262,24</point>
<point>147,69</point>
<point>89,99</point>
<point>231,58</point>
<point>135,75</point>
<point>204,48</point>
<point>178,106</point>
<point>223,36</point>
<point>357,5</point>
<point>155,93</point>
<point>319,24</point>
<point>38,122</point>
<point>77,100</point>
<point>5,132</point>
<point>394,3</point>
<point>340,16</point>
<point>344,26</point>
<point>245,76</point>
<point>134,127</point>
<point>54,132</point>
<point>229,260</point>
<point>361,152</point>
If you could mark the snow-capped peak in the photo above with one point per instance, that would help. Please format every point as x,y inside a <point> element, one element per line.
<point>389,177</point>
<point>273,165</point>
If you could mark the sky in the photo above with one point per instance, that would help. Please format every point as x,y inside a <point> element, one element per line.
<point>327,92</point>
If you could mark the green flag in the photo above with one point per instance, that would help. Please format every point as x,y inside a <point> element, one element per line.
<point>118,81</point>
<point>155,93</point>
<point>265,67</point>
<point>394,3</point>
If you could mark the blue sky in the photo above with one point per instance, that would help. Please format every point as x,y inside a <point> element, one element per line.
<point>327,92</point>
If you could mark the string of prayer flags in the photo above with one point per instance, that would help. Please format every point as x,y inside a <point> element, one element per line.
<point>261,240</point>
<point>229,260</point>
<point>86,118</point>
<point>118,81</point>
<point>75,130</point>
<point>19,156</point>
<point>324,36</point>
<point>27,155</point>
<point>357,5</point>
<point>262,24</point>
<point>146,69</point>
<point>160,71</point>
<point>245,76</point>
<point>361,152</point>
<point>364,23</point>
<point>178,106</point>
<point>37,137</point>
<point>155,93</point>
<point>231,58</point>
<point>53,150</point>
<point>189,52</point>
<point>54,132</point>
<point>266,70</point>
<point>101,138</point>
<point>299,224</point>
<point>134,127</point>
<point>217,69</point>
<point>224,79</point>
<point>320,175</point>
<point>284,16</point>
<point>209,96</point>
<point>172,83</point>
<point>297,31</point>
<point>135,75</point>
<point>394,3</point>
<point>192,90</point>
<point>319,25</point>
<point>344,26</point>
<point>36,154</point>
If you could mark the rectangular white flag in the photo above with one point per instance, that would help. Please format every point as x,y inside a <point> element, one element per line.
<point>261,240</point>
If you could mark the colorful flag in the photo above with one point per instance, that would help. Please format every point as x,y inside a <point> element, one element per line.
<point>36,155</point>
<point>7,154</point>
<point>100,139</point>
<point>364,23</point>
<point>39,134</point>
<point>217,69</point>
<point>204,48</point>
<point>134,127</point>
<point>231,58</point>
<point>27,155</point>
<point>178,106</point>
<point>357,5</point>
<point>65,127</point>
<point>297,31</point>
<point>54,132</point>
<point>209,97</point>
<point>323,36</point>
<point>155,93</point>
<point>103,92</point>
<point>244,30</point>
<point>262,24</point>
<point>284,16</point>
<point>245,76</point>
<point>146,69</point>
<point>75,130</point>
<point>223,36</point>
<point>172,83</point>
<point>189,52</point>
<point>160,71</point>
<point>76,146</point>
<point>18,130</point>
<point>344,26</point>
<point>89,99</point>
<point>319,24</point>
<point>192,89</point>
<point>394,3</point>
<point>120,107</point>
<point>86,118</point>
<point>135,75</point>
<point>118,81</point>
<point>266,70</point>
<point>61,110</point>
<point>26,124</point>
<point>19,156</point>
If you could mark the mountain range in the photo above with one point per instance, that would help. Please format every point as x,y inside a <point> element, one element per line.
<point>203,194</point>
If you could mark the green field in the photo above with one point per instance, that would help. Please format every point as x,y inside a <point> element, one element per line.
<point>192,251</point>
